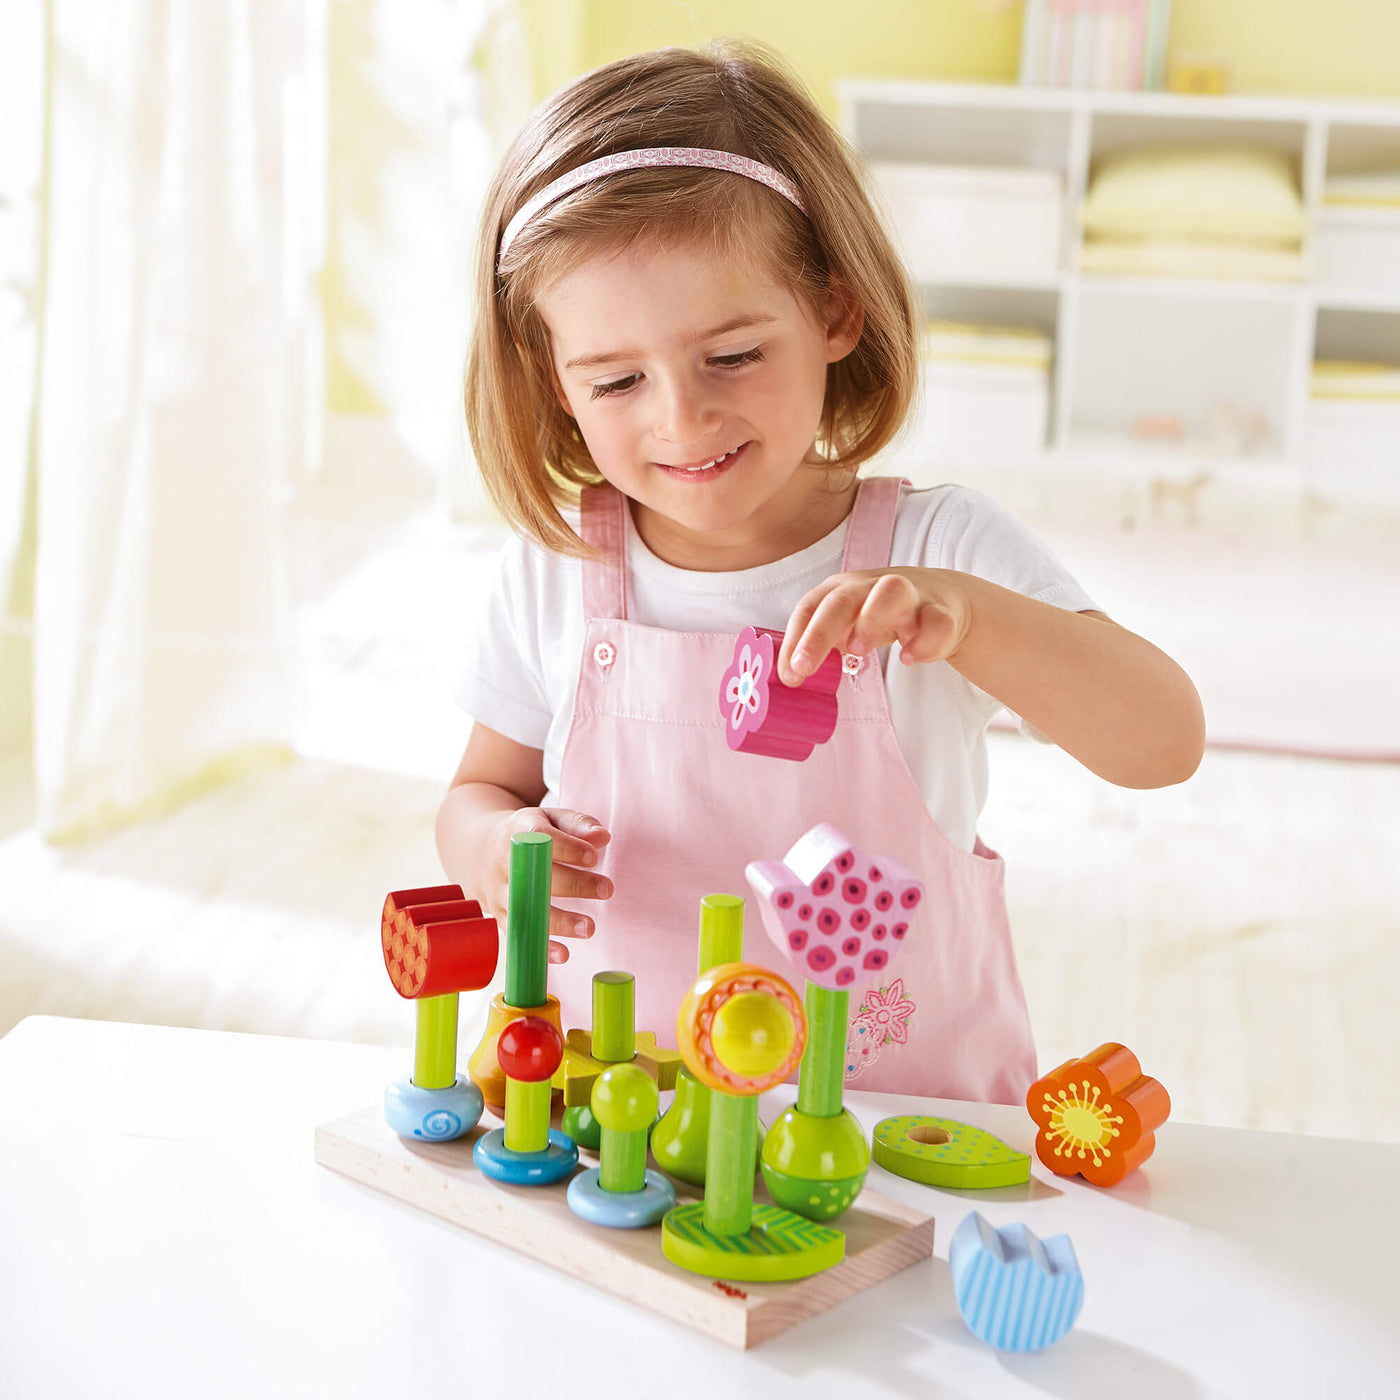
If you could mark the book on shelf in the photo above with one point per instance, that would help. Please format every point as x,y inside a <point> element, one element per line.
<point>1111,45</point>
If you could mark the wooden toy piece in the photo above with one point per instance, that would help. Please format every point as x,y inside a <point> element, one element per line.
<point>742,1030</point>
<point>815,1156</point>
<point>527,960</point>
<point>620,1191</point>
<point>944,1152</point>
<point>763,715</point>
<point>1097,1115</point>
<point>1016,1292</point>
<point>882,1236</point>
<point>436,944</point>
<point>527,919</point>
<point>527,1152</point>
<point>613,1040</point>
<point>680,1141</point>
<point>839,914</point>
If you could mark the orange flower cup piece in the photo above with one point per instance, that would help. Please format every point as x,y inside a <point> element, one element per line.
<point>1097,1115</point>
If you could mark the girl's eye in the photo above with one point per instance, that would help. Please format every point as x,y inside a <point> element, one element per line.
<point>618,386</point>
<point>744,357</point>
<point>621,386</point>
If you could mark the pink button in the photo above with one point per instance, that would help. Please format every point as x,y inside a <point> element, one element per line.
<point>605,654</point>
<point>852,664</point>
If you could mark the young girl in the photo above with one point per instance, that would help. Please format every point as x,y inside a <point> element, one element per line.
<point>692,330</point>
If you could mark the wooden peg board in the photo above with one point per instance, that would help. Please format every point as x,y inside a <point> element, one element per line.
<point>882,1236</point>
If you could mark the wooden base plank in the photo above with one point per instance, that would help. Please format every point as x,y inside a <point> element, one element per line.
<point>882,1236</point>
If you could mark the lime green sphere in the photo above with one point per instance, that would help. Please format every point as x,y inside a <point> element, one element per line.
<point>815,1166</point>
<point>625,1099</point>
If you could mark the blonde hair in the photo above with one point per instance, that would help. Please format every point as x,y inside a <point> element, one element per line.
<point>727,96</point>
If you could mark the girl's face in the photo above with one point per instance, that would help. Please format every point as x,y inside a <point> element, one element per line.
<point>697,387</point>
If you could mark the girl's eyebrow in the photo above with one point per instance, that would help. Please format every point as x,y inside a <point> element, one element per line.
<point>736,323</point>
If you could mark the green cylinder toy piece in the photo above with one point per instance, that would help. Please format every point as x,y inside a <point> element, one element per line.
<point>822,1078</point>
<point>527,918</point>
<point>527,1115</point>
<point>435,1042</point>
<point>728,1173</point>
<point>721,931</point>
<point>614,1028</point>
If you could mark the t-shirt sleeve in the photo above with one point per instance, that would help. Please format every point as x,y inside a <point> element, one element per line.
<point>503,684</point>
<point>972,533</point>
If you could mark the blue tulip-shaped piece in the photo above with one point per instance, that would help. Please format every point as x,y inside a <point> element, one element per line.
<point>1016,1292</point>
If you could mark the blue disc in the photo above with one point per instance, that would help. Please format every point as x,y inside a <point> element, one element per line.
<point>432,1115</point>
<point>623,1210</point>
<point>498,1162</point>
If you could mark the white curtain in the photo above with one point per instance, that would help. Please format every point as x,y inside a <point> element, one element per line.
<point>177,394</point>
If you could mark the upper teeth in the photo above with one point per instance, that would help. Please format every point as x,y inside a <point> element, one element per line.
<point>707,465</point>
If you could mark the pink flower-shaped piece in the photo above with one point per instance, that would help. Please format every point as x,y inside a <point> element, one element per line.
<point>762,714</point>
<point>839,914</point>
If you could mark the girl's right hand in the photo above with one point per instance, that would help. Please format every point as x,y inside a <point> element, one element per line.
<point>577,840</point>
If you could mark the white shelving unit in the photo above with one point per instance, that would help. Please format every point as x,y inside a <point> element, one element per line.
<point>1131,346</point>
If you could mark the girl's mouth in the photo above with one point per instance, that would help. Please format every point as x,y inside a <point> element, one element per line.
<point>709,471</point>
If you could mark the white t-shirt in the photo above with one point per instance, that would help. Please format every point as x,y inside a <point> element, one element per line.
<point>522,668</point>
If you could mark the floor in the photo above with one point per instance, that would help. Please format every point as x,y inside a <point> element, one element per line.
<point>1241,932</point>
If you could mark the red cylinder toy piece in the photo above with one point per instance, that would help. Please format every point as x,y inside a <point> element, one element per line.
<point>435,942</point>
<point>530,1049</point>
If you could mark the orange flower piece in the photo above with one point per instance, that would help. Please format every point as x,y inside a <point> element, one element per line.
<point>1097,1115</point>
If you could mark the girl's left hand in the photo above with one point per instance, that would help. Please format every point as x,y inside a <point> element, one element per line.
<point>926,611</point>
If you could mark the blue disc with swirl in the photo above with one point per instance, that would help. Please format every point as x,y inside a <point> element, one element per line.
<point>432,1115</point>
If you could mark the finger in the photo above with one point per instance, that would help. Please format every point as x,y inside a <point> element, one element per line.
<point>828,627</point>
<point>564,923</point>
<point>558,953</point>
<point>570,883</point>
<point>577,836</point>
<point>931,637</point>
<point>797,625</point>
<point>888,613</point>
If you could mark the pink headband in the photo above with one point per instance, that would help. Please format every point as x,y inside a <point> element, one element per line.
<point>637,160</point>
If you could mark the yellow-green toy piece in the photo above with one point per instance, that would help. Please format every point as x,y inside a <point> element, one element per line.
<point>581,1067</point>
<point>944,1152</point>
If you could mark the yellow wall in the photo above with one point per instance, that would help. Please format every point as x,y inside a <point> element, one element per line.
<point>1341,47</point>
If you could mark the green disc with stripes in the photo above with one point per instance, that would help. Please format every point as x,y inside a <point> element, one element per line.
<point>944,1152</point>
<point>778,1246</point>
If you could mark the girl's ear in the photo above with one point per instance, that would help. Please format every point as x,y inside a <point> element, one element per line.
<point>845,319</point>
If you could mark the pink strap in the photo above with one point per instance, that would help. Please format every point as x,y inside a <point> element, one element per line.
<point>870,534</point>
<point>602,526</point>
<point>868,539</point>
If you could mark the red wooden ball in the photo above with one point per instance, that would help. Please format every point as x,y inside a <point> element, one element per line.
<point>529,1049</point>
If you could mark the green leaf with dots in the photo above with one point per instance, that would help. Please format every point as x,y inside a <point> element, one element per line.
<point>944,1152</point>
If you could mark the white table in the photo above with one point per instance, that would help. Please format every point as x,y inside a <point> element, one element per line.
<point>164,1231</point>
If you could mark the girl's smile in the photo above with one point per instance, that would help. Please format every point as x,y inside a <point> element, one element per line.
<point>697,385</point>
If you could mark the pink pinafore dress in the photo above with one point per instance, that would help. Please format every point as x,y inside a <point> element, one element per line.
<point>646,755</point>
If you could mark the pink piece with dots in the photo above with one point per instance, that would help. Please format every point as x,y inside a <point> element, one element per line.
<point>839,914</point>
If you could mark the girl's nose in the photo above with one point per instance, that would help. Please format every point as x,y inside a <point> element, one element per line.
<point>684,413</point>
